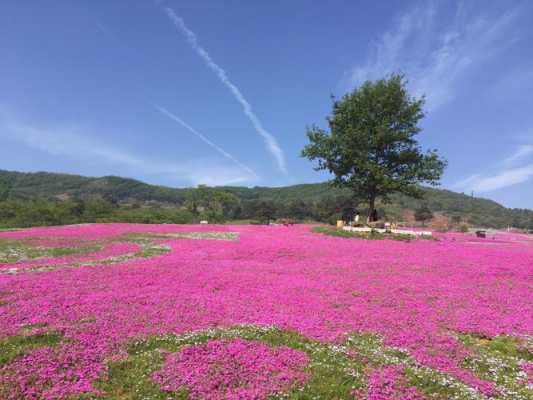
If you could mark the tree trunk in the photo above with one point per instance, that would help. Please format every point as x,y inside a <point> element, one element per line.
<point>371,208</point>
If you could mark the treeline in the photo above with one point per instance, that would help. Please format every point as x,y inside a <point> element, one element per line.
<point>218,205</point>
<point>27,213</point>
<point>30,199</point>
<point>204,203</point>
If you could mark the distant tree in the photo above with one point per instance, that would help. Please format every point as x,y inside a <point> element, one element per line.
<point>236,212</point>
<point>77,207</point>
<point>346,208</point>
<point>297,209</point>
<point>213,204</point>
<point>248,209</point>
<point>456,219</point>
<point>423,214</point>
<point>324,210</point>
<point>330,209</point>
<point>9,210</point>
<point>516,220</point>
<point>111,199</point>
<point>265,211</point>
<point>97,209</point>
<point>464,228</point>
<point>37,213</point>
<point>530,224</point>
<point>371,147</point>
<point>4,191</point>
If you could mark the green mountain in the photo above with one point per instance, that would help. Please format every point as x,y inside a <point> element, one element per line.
<point>57,187</point>
<point>47,185</point>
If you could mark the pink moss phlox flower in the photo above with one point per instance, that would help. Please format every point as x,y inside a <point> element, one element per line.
<point>388,383</point>
<point>416,295</point>
<point>236,369</point>
<point>527,367</point>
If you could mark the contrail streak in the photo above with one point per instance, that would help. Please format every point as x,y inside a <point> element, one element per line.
<point>272,144</point>
<point>177,119</point>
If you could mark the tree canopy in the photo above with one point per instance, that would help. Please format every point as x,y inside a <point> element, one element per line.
<point>371,145</point>
<point>423,214</point>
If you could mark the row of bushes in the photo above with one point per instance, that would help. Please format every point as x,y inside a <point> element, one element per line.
<point>20,214</point>
<point>203,203</point>
<point>214,207</point>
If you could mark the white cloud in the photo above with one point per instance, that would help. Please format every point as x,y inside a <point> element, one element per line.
<point>435,60</point>
<point>510,173</point>
<point>467,182</point>
<point>70,144</point>
<point>177,119</point>
<point>519,154</point>
<point>270,141</point>
<point>64,141</point>
<point>500,180</point>
<point>205,172</point>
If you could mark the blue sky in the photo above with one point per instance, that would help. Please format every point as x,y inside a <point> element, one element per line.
<point>220,92</point>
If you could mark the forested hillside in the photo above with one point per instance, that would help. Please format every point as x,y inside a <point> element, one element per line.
<point>44,198</point>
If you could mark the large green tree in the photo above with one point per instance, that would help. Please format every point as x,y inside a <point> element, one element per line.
<point>371,145</point>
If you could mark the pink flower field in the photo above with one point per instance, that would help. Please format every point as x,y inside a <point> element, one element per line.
<point>121,311</point>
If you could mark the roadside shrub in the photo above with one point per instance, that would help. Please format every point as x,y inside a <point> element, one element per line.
<point>463,228</point>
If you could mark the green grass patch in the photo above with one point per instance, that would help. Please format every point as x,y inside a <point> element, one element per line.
<point>12,251</point>
<point>498,360</point>
<point>15,346</point>
<point>336,371</point>
<point>333,373</point>
<point>15,250</point>
<point>372,235</point>
<point>434,384</point>
<point>148,236</point>
<point>152,251</point>
<point>440,386</point>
